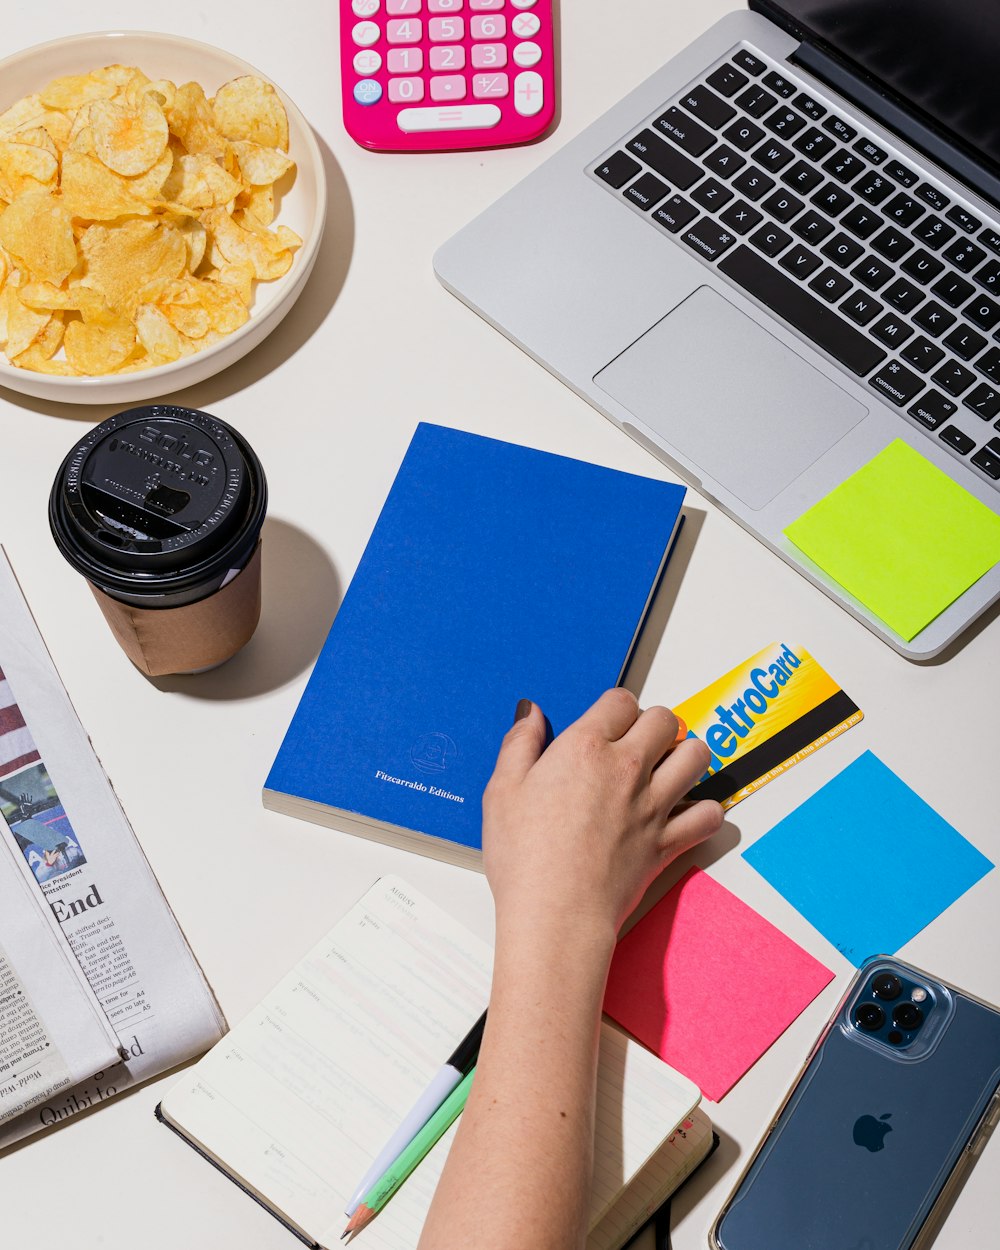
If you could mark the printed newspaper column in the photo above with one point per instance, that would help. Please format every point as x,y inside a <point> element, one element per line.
<point>62,818</point>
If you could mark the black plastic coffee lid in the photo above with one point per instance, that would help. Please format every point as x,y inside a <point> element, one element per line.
<point>158,500</point>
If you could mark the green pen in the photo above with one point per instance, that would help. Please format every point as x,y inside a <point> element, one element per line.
<point>401,1167</point>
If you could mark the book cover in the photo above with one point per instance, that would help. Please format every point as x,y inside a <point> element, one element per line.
<point>494,573</point>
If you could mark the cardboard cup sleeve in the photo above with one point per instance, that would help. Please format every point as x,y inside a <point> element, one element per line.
<point>191,638</point>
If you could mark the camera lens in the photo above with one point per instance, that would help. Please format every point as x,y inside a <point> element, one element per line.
<point>887,985</point>
<point>870,1017</point>
<point>907,1016</point>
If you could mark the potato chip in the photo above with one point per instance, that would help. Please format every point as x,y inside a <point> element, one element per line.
<point>121,259</point>
<point>195,240</point>
<point>249,244</point>
<point>250,108</point>
<point>162,90</point>
<point>25,167</point>
<point>258,202</point>
<point>76,297</point>
<point>260,165</point>
<point>75,90</point>
<point>239,277</point>
<point>20,325</point>
<point>190,118</point>
<point>121,77</point>
<point>157,335</point>
<point>37,137</point>
<point>37,231</point>
<point>26,112</point>
<point>199,181</point>
<point>45,344</point>
<point>95,349</point>
<point>129,140</point>
<point>90,192</point>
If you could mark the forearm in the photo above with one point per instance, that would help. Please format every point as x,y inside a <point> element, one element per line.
<point>519,1171</point>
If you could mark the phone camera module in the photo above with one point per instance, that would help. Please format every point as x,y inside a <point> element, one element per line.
<point>907,1016</point>
<point>887,986</point>
<point>870,1016</point>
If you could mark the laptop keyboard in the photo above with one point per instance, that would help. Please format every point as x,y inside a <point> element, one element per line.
<point>861,254</point>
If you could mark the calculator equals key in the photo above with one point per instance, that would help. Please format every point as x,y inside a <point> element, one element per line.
<point>443,75</point>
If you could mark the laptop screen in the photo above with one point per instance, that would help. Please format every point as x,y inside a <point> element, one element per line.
<point>938,56</point>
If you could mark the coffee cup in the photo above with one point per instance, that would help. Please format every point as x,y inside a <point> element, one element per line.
<point>160,508</point>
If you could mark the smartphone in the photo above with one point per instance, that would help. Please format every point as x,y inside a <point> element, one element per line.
<point>894,1104</point>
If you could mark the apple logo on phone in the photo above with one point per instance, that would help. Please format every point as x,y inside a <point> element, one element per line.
<point>871,1133</point>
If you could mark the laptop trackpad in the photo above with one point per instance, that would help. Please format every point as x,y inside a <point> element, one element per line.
<point>734,401</point>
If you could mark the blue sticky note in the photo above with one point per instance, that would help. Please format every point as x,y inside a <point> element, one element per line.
<point>867,861</point>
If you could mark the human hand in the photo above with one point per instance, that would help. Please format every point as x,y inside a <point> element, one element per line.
<point>574,834</point>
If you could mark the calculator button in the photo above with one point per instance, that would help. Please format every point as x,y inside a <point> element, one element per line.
<point>529,93</point>
<point>485,6</point>
<point>488,27</point>
<point>448,58</point>
<point>527,54</point>
<point>526,25</point>
<point>445,29</point>
<point>466,117</point>
<point>367,91</point>
<point>402,8</point>
<point>406,90</point>
<point>365,8</point>
<point>405,60</point>
<point>448,87</point>
<point>444,6</point>
<point>491,86</point>
<point>368,61</point>
<point>365,34</point>
<point>489,55</point>
<point>523,4</point>
<point>404,30</point>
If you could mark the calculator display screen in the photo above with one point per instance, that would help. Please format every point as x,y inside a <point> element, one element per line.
<point>939,56</point>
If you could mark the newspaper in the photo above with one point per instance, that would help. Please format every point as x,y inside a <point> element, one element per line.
<point>61,817</point>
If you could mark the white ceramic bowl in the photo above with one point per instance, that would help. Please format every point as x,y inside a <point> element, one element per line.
<point>303,207</point>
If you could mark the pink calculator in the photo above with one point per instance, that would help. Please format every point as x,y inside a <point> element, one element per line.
<point>439,75</point>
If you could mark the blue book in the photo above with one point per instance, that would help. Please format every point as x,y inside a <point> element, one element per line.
<point>494,573</point>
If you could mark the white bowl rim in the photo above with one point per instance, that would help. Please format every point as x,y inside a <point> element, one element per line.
<point>303,260</point>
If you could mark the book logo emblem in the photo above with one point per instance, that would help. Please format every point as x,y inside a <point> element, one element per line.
<point>432,751</point>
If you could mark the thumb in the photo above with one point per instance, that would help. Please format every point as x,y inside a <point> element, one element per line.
<point>523,743</point>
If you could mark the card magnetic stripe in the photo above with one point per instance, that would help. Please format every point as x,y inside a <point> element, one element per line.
<point>786,743</point>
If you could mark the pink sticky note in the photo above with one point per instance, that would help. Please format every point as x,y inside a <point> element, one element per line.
<point>709,984</point>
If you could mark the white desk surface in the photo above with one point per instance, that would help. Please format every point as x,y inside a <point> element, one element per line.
<point>329,402</point>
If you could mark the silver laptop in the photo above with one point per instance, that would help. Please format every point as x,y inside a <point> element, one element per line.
<point>775,256</point>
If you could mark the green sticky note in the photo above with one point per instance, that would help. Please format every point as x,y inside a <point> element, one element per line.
<point>902,537</point>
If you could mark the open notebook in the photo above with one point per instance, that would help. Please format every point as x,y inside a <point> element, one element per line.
<point>299,1098</point>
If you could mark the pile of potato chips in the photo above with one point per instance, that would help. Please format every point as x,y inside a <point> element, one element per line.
<point>135,217</point>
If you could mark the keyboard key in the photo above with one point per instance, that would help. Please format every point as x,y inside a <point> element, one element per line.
<point>953,289</point>
<point>812,227</point>
<point>727,80</point>
<point>873,187</point>
<point>494,55</point>
<point>743,134</point>
<point>982,312</point>
<point>965,342</point>
<point>802,177</point>
<point>933,318</point>
<point>870,151</point>
<point>708,107</point>
<point>773,156</point>
<point>687,134</point>
<point>902,210</point>
<point>872,273</point>
<point>933,409</point>
<point>490,86</point>
<point>809,106</point>
<point>964,254</point>
<point>529,91</point>
<point>984,401</point>
<point>708,239</point>
<point>991,239</point>
<point>445,29</point>
<point>891,244</point>
<point>741,217</point>
<point>617,169</point>
<point>814,144</point>
<point>406,90</point>
<point>861,221</point>
<point>988,459</point>
<point>861,307</point>
<point>724,161</point>
<point>922,354</point>
<point>770,240</point>
<point>645,191</point>
<point>831,285</point>
<point>404,30</point>
<point>666,160</point>
<point>903,295</point>
<point>460,117</point>
<point>954,437</point>
<point>756,101</point>
<point>953,378</point>
<point>832,199</point>
<point>444,57</point>
<point>782,205</point>
<point>448,87</point>
<point>844,167</point>
<point>896,383</point>
<point>934,232</point>
<point>491,27</point>
<point>839,128</point>
<point>842,250</point>
<point>805,313</point>
<point>989,364</point>
<point>783,87</point>
<point>785,123</point>
<point>899,173</point>
<point>892,330</point>
<point>933,196</point>
<point>922,266</point>
<point>752,64</point>
<point>674,214</point>
<point>800,262</point>
<point>989,276</point>
<point>963,219</point>
<point>526,53</point>
<point>712,195</point>
<point>753,183</point>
